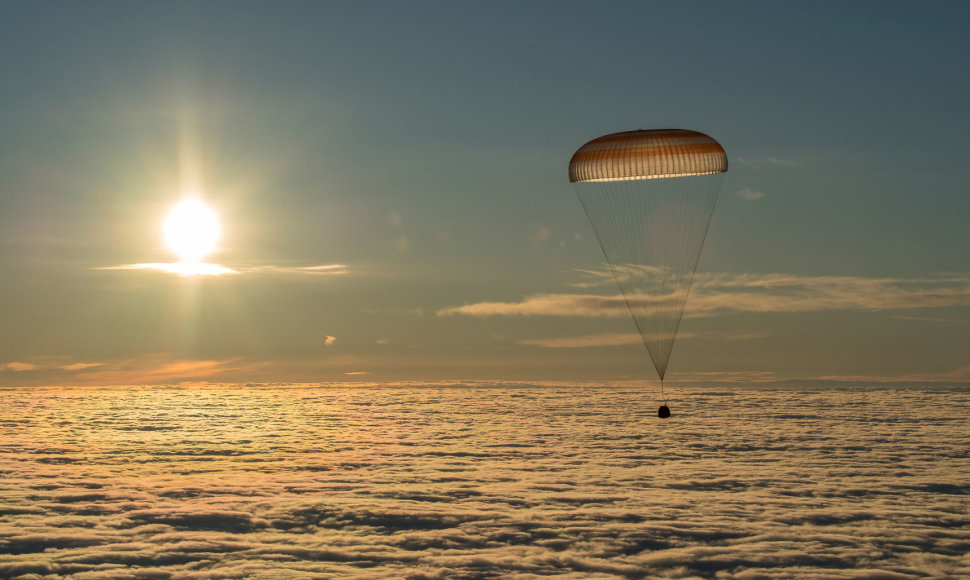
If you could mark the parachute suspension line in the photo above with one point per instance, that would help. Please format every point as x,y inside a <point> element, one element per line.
<point>652,233</point>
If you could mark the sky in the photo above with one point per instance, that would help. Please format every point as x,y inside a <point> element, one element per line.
<point>390,178</point>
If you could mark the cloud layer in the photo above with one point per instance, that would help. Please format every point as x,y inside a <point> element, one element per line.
<point>472,482</point>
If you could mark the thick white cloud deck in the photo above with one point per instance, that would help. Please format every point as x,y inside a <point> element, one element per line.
<point>478,482</point>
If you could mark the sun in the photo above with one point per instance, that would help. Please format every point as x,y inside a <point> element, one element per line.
<point>191,230</point>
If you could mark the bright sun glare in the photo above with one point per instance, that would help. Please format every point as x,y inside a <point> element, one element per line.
<point>191,230</point>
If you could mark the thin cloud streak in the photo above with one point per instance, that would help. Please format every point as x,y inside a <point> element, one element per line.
<point>177,268</point>
<point>155,370</point>
<point>80,366</point>
<point>589,340</point>
<point>203,269</point>
<point>760,163</point>
<point>750,194</point>
<point>721,293</point>
<point>957,375</point>
<point>320,270</point>
<point>546,305</point>
<point>18,367</point>
<point>621,339</point>
<point>933,319</point>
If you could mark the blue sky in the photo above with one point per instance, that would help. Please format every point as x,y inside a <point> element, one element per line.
<point>419,151</point>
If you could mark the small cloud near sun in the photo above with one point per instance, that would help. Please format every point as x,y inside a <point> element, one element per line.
<point>204,269</point>
<point>191,231</point>
<point>750,194</point>
<point>356,373</point>
<point>177,268</point>
<point>383,341</point>
<point>329,340</point>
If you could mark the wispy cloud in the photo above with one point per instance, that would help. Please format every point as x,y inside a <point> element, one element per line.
<point>49,364</point>
<point>957,375</point>
<point>589,340</point>
<point>721,293</point>
<point>154,370</point>
<point>80,366</point>
<point>329,340</point>
<point>319,270</point>
<point>18,366</point>
<point>933,319</point>
<point>607,276</point>
<point>545,305</point>
<point>203,269</point>
<point>177,268</point>
<point>764,162</point>
<point>620,339</point>
<point>750,194</point>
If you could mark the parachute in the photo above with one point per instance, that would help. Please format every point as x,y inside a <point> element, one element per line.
<point>650,195</point>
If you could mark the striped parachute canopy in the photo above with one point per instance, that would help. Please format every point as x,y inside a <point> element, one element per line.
<point>649,196</point>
